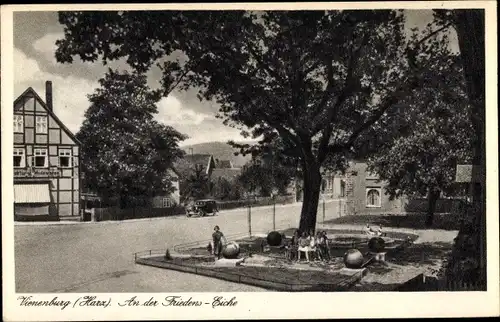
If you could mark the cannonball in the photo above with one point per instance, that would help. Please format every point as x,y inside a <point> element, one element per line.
<point>231,250</point>
<point>274,238</point>
<point>353,258</point>
<point>376,244</point>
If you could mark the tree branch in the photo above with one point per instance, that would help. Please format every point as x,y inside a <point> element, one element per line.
<point>263,65</point>
<point>432,34</point>
<point>388,103</point>
<point>344,93</point>
<point>179,80</point>
<point>411,52</point>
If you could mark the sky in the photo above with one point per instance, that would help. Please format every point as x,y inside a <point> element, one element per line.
<point>35,34</point>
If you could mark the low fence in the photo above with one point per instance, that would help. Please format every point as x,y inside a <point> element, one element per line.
<point>422,283</point>
<point>255,202</point>
<point>117,213</point>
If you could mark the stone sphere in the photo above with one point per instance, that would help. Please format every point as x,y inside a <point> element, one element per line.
<point>376,244</point>
<point>231,250</point>
<point>274,238</point>
<point>353,258</point>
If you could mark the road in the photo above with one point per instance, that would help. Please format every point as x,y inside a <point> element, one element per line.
<point>98,257</point>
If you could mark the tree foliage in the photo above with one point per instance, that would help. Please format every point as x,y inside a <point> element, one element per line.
<point>256,179</point>
<point>318,80</point>
<point>226,189</point>
<point>125,152</point>
<point>421,150</point>
<point>196,185</point>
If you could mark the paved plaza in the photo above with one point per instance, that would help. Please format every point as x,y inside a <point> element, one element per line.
<point>98,257</point>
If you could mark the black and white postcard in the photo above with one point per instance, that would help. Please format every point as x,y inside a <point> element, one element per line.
<point>246,161</point>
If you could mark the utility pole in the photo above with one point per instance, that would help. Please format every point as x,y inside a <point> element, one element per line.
<point>249,221</point>
<point>273,188</point>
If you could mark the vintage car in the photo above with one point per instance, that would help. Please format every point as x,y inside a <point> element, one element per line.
<point>202,208</point>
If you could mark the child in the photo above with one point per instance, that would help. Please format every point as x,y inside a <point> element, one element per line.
<point>312,244</point>
<point>320,249</point>
<point>218,238</point>
<point>304,246</point>
<point>325,246</point>
<point>294,245</point>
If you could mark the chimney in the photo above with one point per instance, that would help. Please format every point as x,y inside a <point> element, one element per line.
<point>48,95</point>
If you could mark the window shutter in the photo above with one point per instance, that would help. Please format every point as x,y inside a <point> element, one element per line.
<point>30,161</point>
<point>74,161</point>
<point>46,161</point>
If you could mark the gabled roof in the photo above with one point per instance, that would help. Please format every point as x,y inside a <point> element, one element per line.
<point>173,172</point>
<point>51,113</point>
<point>189,162</point>
<point>226,173</point>
<point>223,164</point>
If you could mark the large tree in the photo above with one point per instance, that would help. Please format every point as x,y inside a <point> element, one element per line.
<point>417,147</point>
<point>316,79</point>
<point>468,259</point>
<point>125,152</point>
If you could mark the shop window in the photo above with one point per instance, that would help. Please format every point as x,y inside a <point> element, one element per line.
<point>373,197</point>
<point>41,124</point>
<point>65,158</point>
<point>18,124</point>
<point>40,159</point>
<point>19,158</point>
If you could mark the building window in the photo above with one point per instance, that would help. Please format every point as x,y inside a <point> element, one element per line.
<point>65,158</point>
<point>342,188</point>
<point>18,123</point>
<point>19,158</point>
<point>371,175</point>
<point>373,197</point>
<point>41,124</point>
<point>40,158</point>
<point>167,203</point>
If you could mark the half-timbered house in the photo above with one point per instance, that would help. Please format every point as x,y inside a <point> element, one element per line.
<point>46,162</point>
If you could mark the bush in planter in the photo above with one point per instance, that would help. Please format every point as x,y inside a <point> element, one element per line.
<point>376,245</point>
<point>274,238</point>
<point>167,255</point>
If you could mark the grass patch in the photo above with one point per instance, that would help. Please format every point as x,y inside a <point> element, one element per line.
<point>276,278</point>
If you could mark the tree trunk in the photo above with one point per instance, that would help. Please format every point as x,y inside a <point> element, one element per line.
<point>312,185</point>
<point>432,199</point>
<point>469,25</point>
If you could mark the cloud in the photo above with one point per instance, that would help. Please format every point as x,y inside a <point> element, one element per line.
<point>47,45</point>
<point>70,102</point>
<point>171,111</point>
<point>198,126</point>
<point>69,92</point>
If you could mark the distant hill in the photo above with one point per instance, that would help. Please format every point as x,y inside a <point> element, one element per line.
<point>220,150</point>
